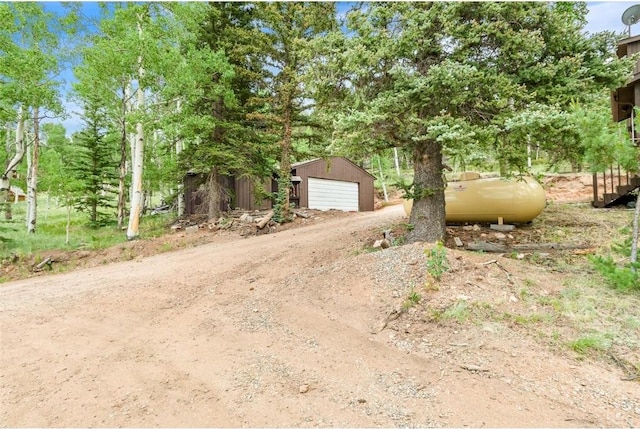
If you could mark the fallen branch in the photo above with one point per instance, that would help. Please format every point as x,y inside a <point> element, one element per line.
<point>47,261</point>
<point>631,376</point>
<point>486,246</point>
<point>499,265</point>
<point>393,315</point>
<point>474,368</point>
<point>265,220</point>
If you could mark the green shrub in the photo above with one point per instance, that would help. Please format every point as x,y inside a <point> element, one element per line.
<point>437,263</point>
<point>413,299</point>
<point>621,277</point>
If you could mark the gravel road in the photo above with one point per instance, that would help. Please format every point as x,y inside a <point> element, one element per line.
<point>276,330</point>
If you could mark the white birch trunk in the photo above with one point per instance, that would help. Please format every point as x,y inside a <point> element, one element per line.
<point>133,230</point>
<point>123,158</point>
<point>132,148</point>
<point>180,184</point>
<point>384,186</point>
<point>28,197</point>
<point>19,153</point>
<point>132,144</point>
<point>32,183</point>
<point>5,180</point>
<point>136,194</point>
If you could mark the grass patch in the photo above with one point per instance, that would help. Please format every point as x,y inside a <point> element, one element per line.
<point>589,344</point>
<point>529,319</point>
<point>51,232</point>
<point>412,299</point>
<point>458,312</point>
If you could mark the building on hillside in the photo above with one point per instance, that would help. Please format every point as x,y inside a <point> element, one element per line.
<point>17,194</point>
<point>625,98</point>
<point>323,184</point>
<point>615,186</point>
<point>335,183</point>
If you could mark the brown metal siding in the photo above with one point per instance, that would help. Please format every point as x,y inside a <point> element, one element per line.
<point>337,169</point>
<point>632,49</point>
<point>244,197</point>
<point>193,202</point>
<point>241,189</point>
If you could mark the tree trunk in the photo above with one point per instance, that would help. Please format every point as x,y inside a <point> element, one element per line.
<point>384,186</point>
<point>28,155</point>
<point>214,189</point>
<point>529,164</point>
<point>32,184</point>
<point>7,203</point>
<point>180,189</point>
<point>136,191</point>
<point>428,212</point>
<point>122,167</point>
<point>5,180</point>
<point>284,182</point>
<point>133,230</point>
<point>213,194</point>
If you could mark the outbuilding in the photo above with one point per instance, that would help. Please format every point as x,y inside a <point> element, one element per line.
<point>334,183</point>
<point>17,194</point>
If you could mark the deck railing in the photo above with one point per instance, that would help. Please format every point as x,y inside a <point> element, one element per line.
<point>611,186</point>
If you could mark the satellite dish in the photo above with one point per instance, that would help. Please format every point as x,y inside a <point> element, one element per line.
<point>631,16</point>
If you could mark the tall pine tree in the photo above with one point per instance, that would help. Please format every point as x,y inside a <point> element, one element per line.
<point>289,31</point>
<point>94,166</point>
<point>442,76</point>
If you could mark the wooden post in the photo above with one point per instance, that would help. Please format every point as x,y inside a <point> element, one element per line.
<point>611,172</point>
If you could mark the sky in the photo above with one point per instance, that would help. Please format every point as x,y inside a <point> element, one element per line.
<point>602,16</point>
<point>607,15</point>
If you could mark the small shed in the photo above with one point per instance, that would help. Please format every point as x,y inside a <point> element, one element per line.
<point>17,194</point>
<point>334,183</point>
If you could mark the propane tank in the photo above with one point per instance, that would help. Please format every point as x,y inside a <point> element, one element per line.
<point>517,200</point>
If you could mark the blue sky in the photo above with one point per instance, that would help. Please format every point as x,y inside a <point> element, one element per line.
<point>602,16</point>
<point>606,15</point>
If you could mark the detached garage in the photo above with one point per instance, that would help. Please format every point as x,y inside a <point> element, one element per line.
<point>333,184</point>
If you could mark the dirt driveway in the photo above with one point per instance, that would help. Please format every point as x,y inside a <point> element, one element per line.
<point>280,330</point>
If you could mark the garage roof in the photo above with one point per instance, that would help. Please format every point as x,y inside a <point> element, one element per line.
<point>311,161</point>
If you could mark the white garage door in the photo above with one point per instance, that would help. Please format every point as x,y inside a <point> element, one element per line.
<point>333,194</point>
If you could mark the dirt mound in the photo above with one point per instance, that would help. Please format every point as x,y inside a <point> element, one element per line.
<point>569,188</point>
